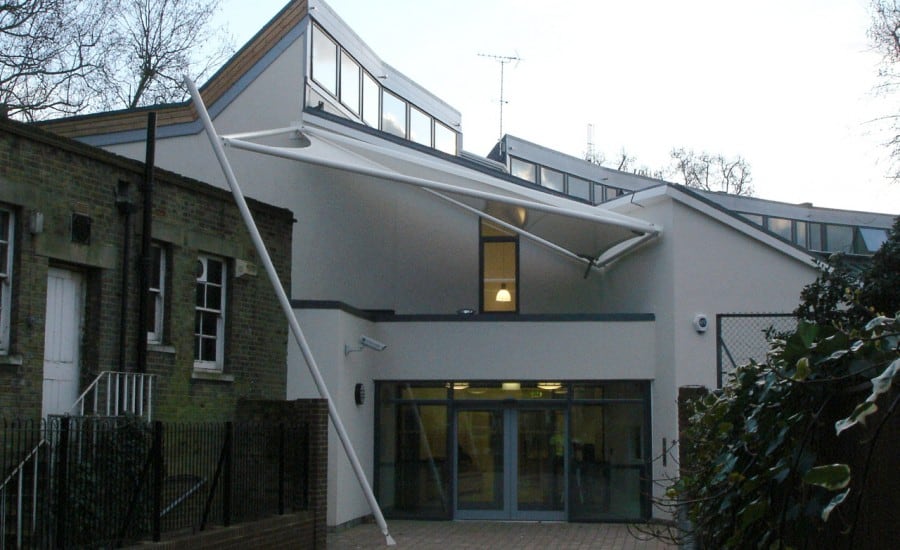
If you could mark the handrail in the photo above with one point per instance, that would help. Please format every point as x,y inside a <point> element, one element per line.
<point>125,393</point>
<point>19,472</point>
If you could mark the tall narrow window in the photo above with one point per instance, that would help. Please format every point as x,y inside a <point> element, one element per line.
<point>6,255</point>
<point>370,100</point>
<point>419,126</point>
<point>324,60</point>
<point>552,179</point>
<point>349,82</point>
<point>522,169</point>
<point>499,269</point>
<point>209,319</point>
<point>393,114</point>
<point>157,290</point>
<point>444,138</point>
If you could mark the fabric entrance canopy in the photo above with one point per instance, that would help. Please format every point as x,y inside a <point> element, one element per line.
<point>580,231</point>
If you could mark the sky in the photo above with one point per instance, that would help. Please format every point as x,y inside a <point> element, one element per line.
<point>790,85</point>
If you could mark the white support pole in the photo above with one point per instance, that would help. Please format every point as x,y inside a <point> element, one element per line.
<point>286,307</point>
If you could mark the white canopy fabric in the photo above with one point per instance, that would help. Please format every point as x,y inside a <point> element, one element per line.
<point>580,231</point>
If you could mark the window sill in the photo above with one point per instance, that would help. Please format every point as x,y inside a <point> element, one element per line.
<point>211,375</point>
<point>14,360</point>
<point>159,348</point>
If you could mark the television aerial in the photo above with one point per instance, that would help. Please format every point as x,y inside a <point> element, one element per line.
<point>503,60</point>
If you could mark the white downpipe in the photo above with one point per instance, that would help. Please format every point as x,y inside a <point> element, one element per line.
<point>286,307</point>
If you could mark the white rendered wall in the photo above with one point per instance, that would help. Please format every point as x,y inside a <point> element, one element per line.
<point>448,350</point>
<point>700,265</point>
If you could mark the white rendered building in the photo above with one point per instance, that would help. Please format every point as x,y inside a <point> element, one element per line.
<point>535,339</point>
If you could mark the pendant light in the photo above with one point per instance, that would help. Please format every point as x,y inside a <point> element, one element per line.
<point>503,295</point>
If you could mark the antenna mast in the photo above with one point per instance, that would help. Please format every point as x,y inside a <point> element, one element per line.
<point>502,60</point>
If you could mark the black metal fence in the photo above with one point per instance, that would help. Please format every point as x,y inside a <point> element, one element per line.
<point>91,482</point>
<point>741,337</point>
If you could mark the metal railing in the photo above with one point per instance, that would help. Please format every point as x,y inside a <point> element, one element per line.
<point>22,493</point>
<point>96,482</point>
<point>116,394</point>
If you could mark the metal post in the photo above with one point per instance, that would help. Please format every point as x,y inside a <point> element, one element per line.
<point>62,496</point>
<point>226,473</point>
<point>280,468</point>
<point>157,478</point>
<point>288,310</point>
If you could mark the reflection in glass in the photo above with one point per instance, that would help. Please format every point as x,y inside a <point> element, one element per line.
<point>349,82</point>
<point>393,114</point>
<point>324,60</point>
<point>479,460</point>
<point>579,188</point>
<point>607,462</point>
<point>780,227</point>
<point>800,238</point>
<point>370,100</point>
<point>413,466</point>
<point>522,169</point>
<point>552,179</point>
<point>444,138</point>
<point>419,126</point>
<point>815,236</point>
<point>755,218</point>
<point>541,459</point>
<point>839,238</point>
<point>872,239</point>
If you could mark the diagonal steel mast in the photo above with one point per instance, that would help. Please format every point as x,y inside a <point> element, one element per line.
<point>260,246</point>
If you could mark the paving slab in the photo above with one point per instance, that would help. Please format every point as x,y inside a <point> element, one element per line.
<point>453,535</point>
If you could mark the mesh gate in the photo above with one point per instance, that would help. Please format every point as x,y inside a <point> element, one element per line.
<point>741,337</point>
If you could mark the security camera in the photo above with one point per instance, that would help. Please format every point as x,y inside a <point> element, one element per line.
<point>701,323</point>
<point>372,343</point>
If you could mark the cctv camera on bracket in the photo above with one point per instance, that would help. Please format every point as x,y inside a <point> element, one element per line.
<point>372,343</point>
<point>366,342</point>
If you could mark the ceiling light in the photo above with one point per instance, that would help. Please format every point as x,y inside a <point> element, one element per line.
<point>503,295</point>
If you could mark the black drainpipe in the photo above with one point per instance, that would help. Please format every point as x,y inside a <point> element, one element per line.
<point>146,250</point>
<point>126,207</point>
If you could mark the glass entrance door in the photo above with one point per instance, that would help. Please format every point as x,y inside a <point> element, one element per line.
<point>510,463</point>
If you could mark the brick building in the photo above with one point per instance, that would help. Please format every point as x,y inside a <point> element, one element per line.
<point>71,229</point>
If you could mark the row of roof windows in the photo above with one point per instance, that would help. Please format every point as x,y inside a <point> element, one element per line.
<point>823,237</point>
<point>347,82</point>
<point>563,182</point>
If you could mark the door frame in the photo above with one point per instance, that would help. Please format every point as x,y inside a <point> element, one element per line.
<point>510,421</point>
<point>78,315</point>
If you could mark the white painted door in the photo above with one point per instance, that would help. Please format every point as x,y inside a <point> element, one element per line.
<point>62,340</point>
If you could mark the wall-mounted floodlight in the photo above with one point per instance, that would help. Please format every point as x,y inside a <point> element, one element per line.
<point>365,342</point>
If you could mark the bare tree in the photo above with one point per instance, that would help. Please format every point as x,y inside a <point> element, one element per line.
<point>153,43</point>
<point>72,56</point>
<point>712,172</point>
<point>885,36</point>
<point>49,54</point>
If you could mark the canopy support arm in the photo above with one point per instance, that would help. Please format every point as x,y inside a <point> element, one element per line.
<point>286,307</point>
<point>506,225</point>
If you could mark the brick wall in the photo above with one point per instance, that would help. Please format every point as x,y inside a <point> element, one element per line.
<point>314,411</point>
<point>41,172</point>
<point>287,531</point>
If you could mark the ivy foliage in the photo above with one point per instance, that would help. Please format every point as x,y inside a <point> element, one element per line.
<point>758,469</point>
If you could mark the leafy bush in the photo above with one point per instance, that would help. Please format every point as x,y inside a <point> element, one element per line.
<point>757,469</point>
